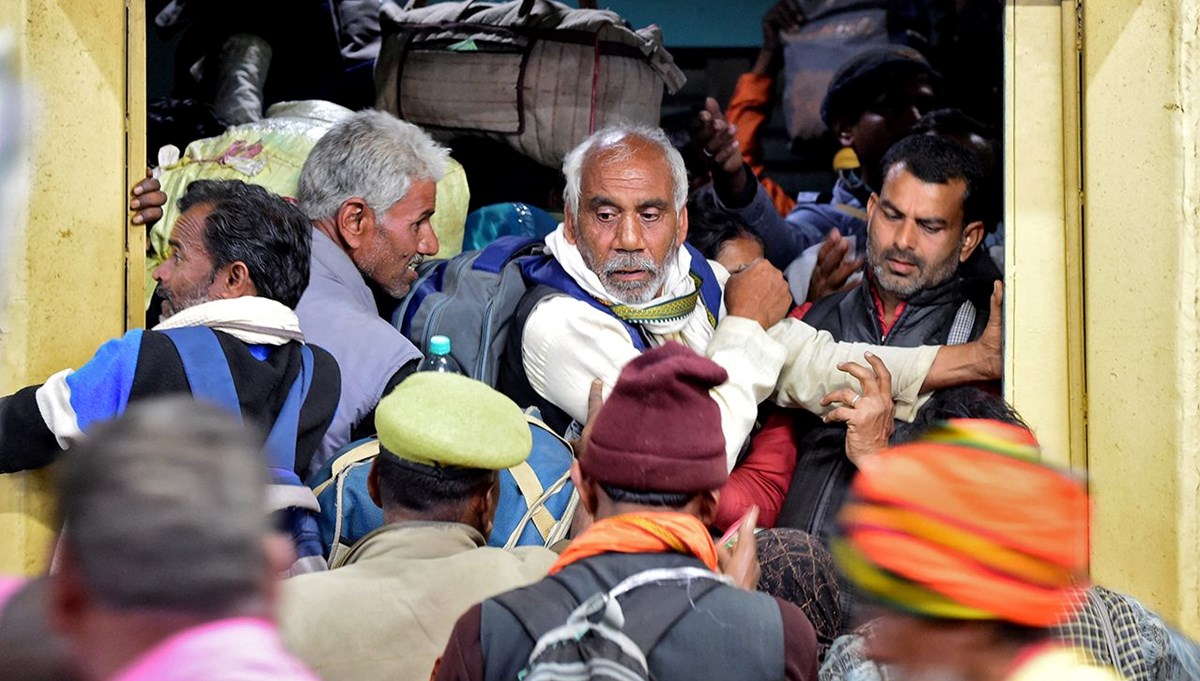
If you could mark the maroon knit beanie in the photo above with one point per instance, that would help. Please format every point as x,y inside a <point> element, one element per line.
<point>660,430</point>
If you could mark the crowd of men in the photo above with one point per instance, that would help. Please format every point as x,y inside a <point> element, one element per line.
<point>815,379</point>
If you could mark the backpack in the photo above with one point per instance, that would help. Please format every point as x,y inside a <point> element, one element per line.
<point>598,640</point>
<point>536,506</point>
<point>210,380</point>
<point>472,297</point>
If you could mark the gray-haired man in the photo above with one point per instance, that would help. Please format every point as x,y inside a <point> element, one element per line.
<point>369,188</point>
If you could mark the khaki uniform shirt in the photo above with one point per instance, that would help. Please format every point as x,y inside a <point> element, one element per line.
<point>388,611</point>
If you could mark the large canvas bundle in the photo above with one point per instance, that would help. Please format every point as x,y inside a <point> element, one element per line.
<point>536,74</point>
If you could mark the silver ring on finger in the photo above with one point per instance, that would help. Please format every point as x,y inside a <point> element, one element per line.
<point>854,401</point>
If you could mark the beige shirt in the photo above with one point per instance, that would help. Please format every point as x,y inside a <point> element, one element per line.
<point>387,613</point>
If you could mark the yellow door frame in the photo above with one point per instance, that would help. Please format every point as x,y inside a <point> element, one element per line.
<point>68,281</point>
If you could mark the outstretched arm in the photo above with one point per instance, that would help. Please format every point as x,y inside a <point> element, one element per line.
<point>810,371</point>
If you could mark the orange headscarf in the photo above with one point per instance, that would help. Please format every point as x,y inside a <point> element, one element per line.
<point>650,532</point>
<point>965,523</point>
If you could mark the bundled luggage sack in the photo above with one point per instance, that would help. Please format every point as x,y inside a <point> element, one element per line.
<point>535,74</point>
<point>537,499</point>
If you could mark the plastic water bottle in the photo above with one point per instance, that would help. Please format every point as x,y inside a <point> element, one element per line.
<point>439,358</point>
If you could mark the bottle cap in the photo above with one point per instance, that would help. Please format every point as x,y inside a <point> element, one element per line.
<point>439,345</point>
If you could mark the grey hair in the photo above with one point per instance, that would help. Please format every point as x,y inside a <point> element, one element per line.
<point>616,136</point>
<point>372,155</point>
<point>165,509</point>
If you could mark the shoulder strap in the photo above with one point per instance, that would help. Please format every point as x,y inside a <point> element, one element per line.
<point>205,366</point>
<point>361,451</point>
<point>710,290</point>
<point>281,441</point>
<point>210,379</point>
<point>541,607</point>
<point>546,271</point>
<point>657,610</point>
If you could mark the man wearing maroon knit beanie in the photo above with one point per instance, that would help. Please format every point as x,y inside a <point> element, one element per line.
<point>649,473</point>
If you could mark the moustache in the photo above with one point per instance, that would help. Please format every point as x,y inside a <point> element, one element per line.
<point>907,257</point>
<point>630,261</point>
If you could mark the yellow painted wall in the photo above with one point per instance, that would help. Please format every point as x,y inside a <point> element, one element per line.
<point>67,275</point>
<point>1142,277</point>
<point>1043,346</point>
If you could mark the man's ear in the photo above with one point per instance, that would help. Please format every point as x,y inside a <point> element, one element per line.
<point>67,597</point>
<point>280,553</point>
<point>872,202</point>
<point>707,509</point>
<point>237,281</point>
<point>485,507</point>
<point>373,483</point>
<point>569,226</point>
<point>682,229</point>
<point>587,493</point>
<point>355,221</point>
<point>972,237</point>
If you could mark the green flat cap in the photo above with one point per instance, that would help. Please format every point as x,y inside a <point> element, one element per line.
<point>450,420</point>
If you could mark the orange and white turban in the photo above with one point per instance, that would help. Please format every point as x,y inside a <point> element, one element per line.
<point>964,523</point>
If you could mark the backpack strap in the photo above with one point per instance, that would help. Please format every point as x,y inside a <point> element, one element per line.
<point>657,610</point>
<point>205,367</point>
<point>531,491</point>
<point>281,441</point>
<point>539,608</point>
<point>210,379</point>
<point>546,271</point>
<point>542,608</point>
<point>361,451</point>
<point>856,213</point>
<point>710,289</point>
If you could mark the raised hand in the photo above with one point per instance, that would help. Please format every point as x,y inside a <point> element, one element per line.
<point>870,415</point>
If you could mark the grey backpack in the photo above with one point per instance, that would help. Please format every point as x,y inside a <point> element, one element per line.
<point>597,640</point>
<point>469,298</point>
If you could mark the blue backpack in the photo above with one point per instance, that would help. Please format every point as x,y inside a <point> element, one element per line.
<point>210,380</point>
<point>536,506</point>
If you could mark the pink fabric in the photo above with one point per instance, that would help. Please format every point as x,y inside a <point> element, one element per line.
<point>9,586</point>
<point>226,650</point>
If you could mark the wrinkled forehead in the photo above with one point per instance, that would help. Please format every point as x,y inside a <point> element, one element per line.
<point>630,165</point>
<point>191,224</point>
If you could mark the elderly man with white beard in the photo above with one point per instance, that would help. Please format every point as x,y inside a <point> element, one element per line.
<point>631,282</point>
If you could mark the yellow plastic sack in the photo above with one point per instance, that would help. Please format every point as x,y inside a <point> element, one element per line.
<point>271,153</point>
